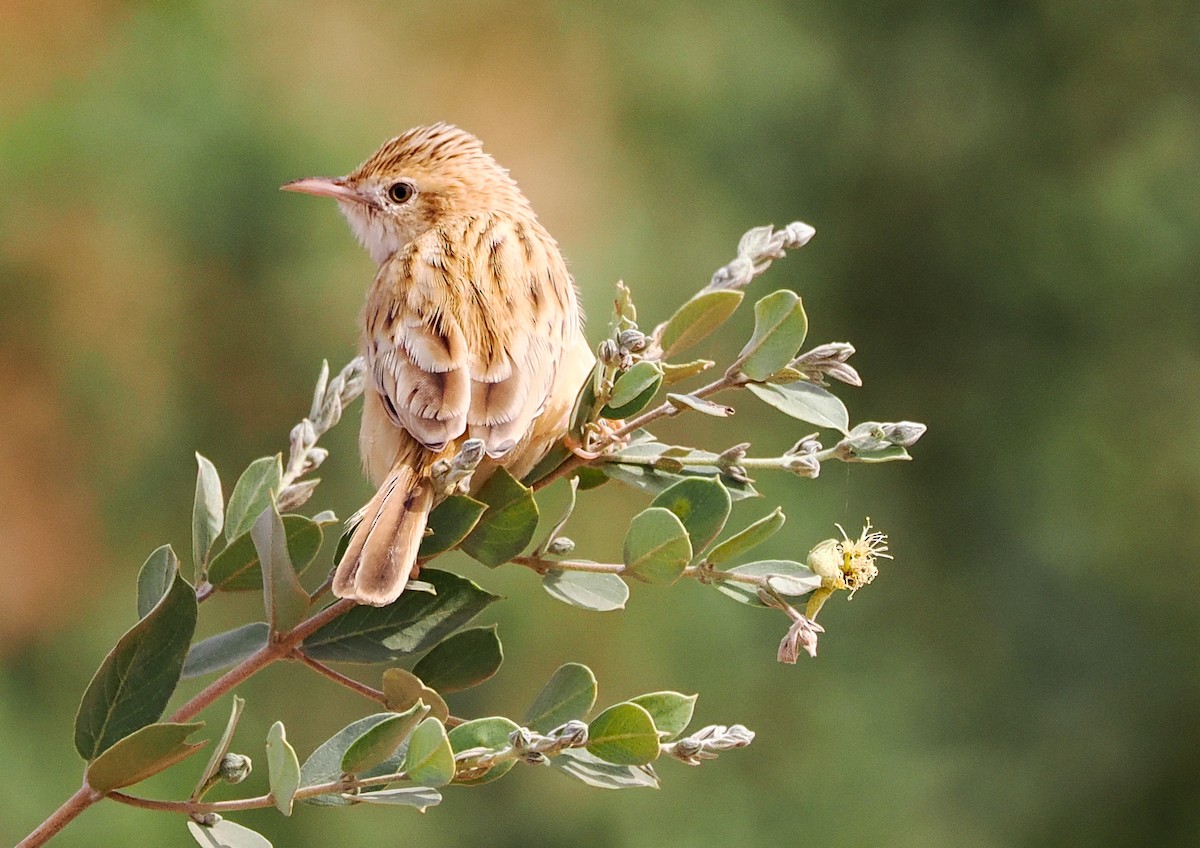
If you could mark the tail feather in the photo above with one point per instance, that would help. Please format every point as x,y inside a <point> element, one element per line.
<point>383,548</point>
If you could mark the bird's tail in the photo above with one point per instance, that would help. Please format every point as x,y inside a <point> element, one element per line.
<point>383,548</point>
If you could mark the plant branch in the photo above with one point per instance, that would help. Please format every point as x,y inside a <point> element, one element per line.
<point>701,572</point>
<point>339,678</point>
<point>83,798</point>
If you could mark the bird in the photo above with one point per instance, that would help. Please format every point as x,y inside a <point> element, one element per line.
<point>472,329</point>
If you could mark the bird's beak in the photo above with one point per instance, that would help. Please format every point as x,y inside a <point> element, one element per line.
<point>334,187</point>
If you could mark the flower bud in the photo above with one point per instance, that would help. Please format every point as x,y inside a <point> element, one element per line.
<point>235,768</point>
<point>560,545</point>
<point>903,433</point>
<point>797,234</point>
<point>631,340</point>
<point>826,559</point>
<point>608,352</point>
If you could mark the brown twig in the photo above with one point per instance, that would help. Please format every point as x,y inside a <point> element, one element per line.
<point>339,678</point>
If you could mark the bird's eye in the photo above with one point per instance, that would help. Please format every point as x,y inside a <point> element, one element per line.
<point>401,192</point>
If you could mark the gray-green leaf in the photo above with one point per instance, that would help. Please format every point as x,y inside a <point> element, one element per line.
<point>132,686</point>
<point>141,754</point>
<point>568,695</point>
<point>461,661</point>
<point>657,548</point>
<point>226,834</point>
<point>702,504</point>
<point>624,735</point>
<point>780,326</point>
<point>805,402</point>
<point>251,494</point>
<point>630,385</point>
<point>748,538</point>
<point>593,771</point>
<point>155,578</point>
<point>208,513</point>
<point>284,598</point>
<point>218,753</point>
<point>700,316</point>
<point>237,567</point>
<point>795,579</point>
<point>508,524</point>
<point>283,768</point>
<point>587,589</point>
<point>225,649</point>
<point>408,796</point>
<point>430,759</point>
<point>671,711</point>
<point>324,765</point>
<point>492,733</point>
<point>380,742</point>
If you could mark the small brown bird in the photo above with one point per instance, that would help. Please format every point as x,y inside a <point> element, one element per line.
<point>471,330</point>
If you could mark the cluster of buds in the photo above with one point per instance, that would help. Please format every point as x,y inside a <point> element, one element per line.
<point>534,748</point>
<point>757,249</point>
<point>873,436</point>
<point>708,742</point>
<point>802,459</point>
<point>454,475</point>
<point>827,360</point>
<point>620,351</point>
<point>729,461</point>
<point>329,399</point>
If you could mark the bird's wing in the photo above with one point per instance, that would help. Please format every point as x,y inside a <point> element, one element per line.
<point>465,330</point>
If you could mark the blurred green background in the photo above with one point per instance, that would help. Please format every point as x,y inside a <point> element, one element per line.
<point>1005,195</point>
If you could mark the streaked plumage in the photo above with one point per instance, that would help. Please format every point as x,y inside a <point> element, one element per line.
<point>471,330</point>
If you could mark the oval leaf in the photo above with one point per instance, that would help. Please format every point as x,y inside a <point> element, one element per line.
<point>450,521</point>
<point>430,759</point>
<point>656,547</point>
<point>623,735</point>
<point>702,504</point>
<point>630,385</point>
<point>380,742</point>
<point>208,513</point>
<point>402,690</point>
<point>796,579</point>
<point>491,733</point>
<point>143,753</point>
<point>283,768</point>
<point>414,622</point>
<point>633,407</point>
<point>237,567</point>
<point>749,538</point>
<point>409,796</point>
<point>697,318</point>
<point>568,695</point>
<point>463,660</point>
<point>284,598</point>
<point>251,494</point>
<point>780,326</point>
<point>595,772</point>
<point>671,711</point>
<point>132,686</point>
<point>805,402</point>
<point>508,524</point>
<point>225,649</point>
<point>155,578</point>
<point>226,834</point>
<point>324,765</point>
<point>587,590</point>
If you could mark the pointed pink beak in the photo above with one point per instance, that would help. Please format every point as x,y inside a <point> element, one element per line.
<point>334,187</point>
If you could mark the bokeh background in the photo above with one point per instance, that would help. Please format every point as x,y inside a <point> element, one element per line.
<point>1006,199</point>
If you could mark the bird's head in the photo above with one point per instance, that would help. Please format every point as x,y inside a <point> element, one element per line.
<point>414,182</point>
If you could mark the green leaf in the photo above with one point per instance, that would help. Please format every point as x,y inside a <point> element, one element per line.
<point>402,690</point>
<point>585,403</point>
<point>633,407</point>
<point>568,509</point>
<point>623,735</point>
<point>143,753</point>
<point>671,711</point>
<point>226,834</point>
<point>508,524</point>
<point>702,504</point>
<point>237,567</point>
<point>780,326</point>
<point>414,622</point>
<point>218,753</point>
<point>700,316</point>
<point>750,537</point>
<point>380,742</point>
<point>555,457</point>
<point>430,759</point>
<point>805,402</point>
<point>596,772</point>
<point>132,686</point>
<point>420,797</point>
<point>891,453</point>
<point>225,649</point>
<point>586,589</point>
<point>155,578</point>
<point>491,733</point>
<point>251,494</point>
<point>568,694</point>
<point>461,661</point>
<point>630,385</point>
<point>707,407</point>
<point>283,768</point>
<point>450,521</point>
<point>284,598</point>
<point>324,765</point>
<point>656,547</point>
<point>676,373</point>
<point>208,514</point>
<point>795,579</point>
